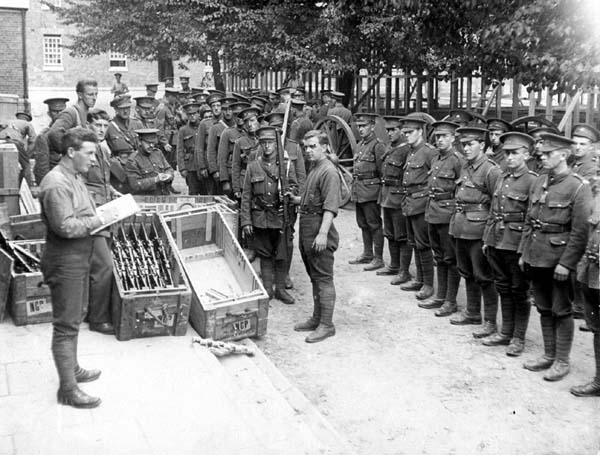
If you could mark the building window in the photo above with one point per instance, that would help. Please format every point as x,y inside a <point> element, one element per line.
<point>53,58</point>
<point>117,61</point>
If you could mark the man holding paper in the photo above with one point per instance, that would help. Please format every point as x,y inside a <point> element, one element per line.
<point>69,214</point>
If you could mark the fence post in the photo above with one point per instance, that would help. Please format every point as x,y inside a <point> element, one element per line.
<point>406,91</point>
<point>515,98</point>
<point>499,100</point>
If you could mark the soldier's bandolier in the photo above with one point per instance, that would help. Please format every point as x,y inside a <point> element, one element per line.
<point>366,184</point>
<point>552,244</point>
<point>474,191</point>
<point>501,238</point>
<point>445,170</point>
<point>390,199</point>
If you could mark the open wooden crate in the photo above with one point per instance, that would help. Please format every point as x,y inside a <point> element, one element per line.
<point>229,301</point>
<point>181,202</point>
<point>152,312</point>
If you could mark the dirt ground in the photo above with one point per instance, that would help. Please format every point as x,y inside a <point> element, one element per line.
<point>398,380</point>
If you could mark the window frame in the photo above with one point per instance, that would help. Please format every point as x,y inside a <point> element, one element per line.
<point>48,55</point>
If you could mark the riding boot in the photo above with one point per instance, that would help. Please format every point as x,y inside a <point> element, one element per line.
<point>453,284</point>
<point>405,256</point>
<point>394,248</point>
<point>378,243</point>
<point>313,322</point>
<point>564,341</point>
<point>549,336</point>
<point>490,302</point>
<point>280,292</point>
<point>522,311</point>
<point>418,266</point>
<point>508,314</point>
<point>266,272</point>
<point>367,237</point>
<point>442,282</point>
<point>63,353</point>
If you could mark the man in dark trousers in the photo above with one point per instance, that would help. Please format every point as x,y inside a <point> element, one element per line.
<point>366,184</point>
<point>70,215</point>
<point>553,242</point>
<point>390,199</point>
<point>148,172</point>
<point>414,202</point>
<point>445,169</point>
<point>318,205</point>
<point>501,240</point>
<point>475,186</point>
<point>204,172</point>
<point>186,143</point>
<point>262,212</point>
<point>40,151</point>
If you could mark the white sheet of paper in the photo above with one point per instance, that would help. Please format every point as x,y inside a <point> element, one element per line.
<point>117,210</point>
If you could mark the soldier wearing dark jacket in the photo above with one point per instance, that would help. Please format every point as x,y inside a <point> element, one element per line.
<point>318,205</point>
<point>148,172</point>
<point>44,160</point>
<point>226,146</point>
<point>261,213</point>
<point>553,242</point>
<point>495,152</point>
<point>501,240</point>
<point>477,182</point>
<point>390,199</point>
<point>214,101</point>
<point>366,184</point>
<point>588,274</point>
<point>166,122</point>
<point>186,142</point>
<point>244,149</point>
<point>213,139</point>
<point>414,202</point>
<point>445,170</point>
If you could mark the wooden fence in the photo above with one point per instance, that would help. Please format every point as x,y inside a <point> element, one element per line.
<point>402,92</point>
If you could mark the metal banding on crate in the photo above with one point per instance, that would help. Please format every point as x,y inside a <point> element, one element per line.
<point>229,301</point>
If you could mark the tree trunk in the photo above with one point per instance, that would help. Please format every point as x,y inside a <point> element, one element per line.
<point>217,76</point>
<point>345,85</point>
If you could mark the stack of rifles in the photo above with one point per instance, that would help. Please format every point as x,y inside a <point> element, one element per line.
<point>140,260</point>
<point>23,260</point>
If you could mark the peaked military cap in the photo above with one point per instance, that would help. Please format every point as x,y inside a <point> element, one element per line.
<point>259,101</point>
<point>144,101</point>
<point>275,118</point>
<point>214,97</point>
<point>239,106</point>
<point>422,116</point>
<point>248,113</point>
<point>297,103</point>
<point>535,132</point>
<point>552,142</point>
<point>24,116</point>
<point>152,85</point>
<point>148,134</point>
<point>214,90</point>
<point>459,116</point>
<point>172,91</point>
<point>228,101</point>
<point>240,97</point>
<point>121,101</point>
<point>337,95</point>
<point>514,140</point>
<point>585,130</point>
<point>56,104</point>
<point>444,127</point>
<point>412,123</point>
<point>497,124</point>
<point>288,89</point>
<point>190,108</point>
<point>267,132</point>
<point>184,78</point>
<point>118,74</point>
<point>393,121</point>
<point>365,118</point>
<point>471,133</point>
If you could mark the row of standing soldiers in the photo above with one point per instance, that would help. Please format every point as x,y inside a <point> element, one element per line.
<point>507,207</point>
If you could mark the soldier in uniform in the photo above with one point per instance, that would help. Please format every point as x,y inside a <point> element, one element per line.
<point>186,162</point>
<point>166,122</point>
<point>445,170</point>
<point>97,181</point>
<point>318,205</point>
<point>214,137</point>
<point>148,172</point>
<point>497,127</point>
<point>214,101</point>
<point>185,83</point>
<point>226,145</point>
<point>151,91</point>
<point>337,107</point>
<point>534,162</point>
<point>501,240</point>
<point>475,187</point>
<point>122,141</point>
<point>553,241</point>
<point>390,199</point>
<point>244,149</point>
<point>366,185</point>
<point>69,215</point>
<point>588,275</point>
<point>40,151</point>
<point>585,138</point>
<point>261,213</point>
<point>414,202</point>
<point>119,88</point>
<point>300,124</point>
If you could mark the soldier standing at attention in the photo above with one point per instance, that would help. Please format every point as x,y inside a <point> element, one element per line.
<point>211,181</point>
<point>97,181</point>
<point>337,107</point>
<point>497,127</point>
<point>318,205</point>
<point>148,172</point>
<point>301,124</point>
<point>553,242</point>
<point>166,122</point>
<point>445,170</point>
<point>151,91</point>
<point>226,145</point>
<point>588,275</point>
<point>118,87</point>
<point>366,184</point>
<point>186,162</point>
<point>40,151</point>
<point>414,202</point>
<point>69,214</point>
<point>475,187</point>
<point>244,149</point>
<point>390,199</point>
<point>213,138</point>
<point>501,240</point>
<point>261,212</point>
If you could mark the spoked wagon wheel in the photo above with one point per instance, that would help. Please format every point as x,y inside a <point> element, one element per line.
<point>527,123</point>
<point>343,144</point>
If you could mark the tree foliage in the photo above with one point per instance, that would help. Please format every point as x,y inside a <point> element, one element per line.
<point>544,43</point>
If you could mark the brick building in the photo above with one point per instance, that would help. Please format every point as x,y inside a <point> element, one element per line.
<point>43,67</point>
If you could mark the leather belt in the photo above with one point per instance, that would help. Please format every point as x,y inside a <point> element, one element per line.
<point>510,217</point>
<point>550,228</point>
<point>415,188</point>
<point>304,211</point>
<point>444,195</point>
<point>462,207</point>
<point>392,182</point>
<point>365,175</point>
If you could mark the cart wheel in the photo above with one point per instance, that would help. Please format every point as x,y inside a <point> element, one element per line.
<point>341,138</point>
<point>345,184</point>
<point>527,123</point>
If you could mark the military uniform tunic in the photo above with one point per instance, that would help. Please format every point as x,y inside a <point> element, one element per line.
<point>212,144</point>
<point>415,179</point>
<point>588,271</point>
<point>445,170</point>
<point>366,183</point>
<point>225,152</point>
<point>142,171</point>
<point>585,167</point>
<point>390,196</point>
<point>121,137</point>
<point>201,143</point>
<point>498,156</point>
<point>244,151</point>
